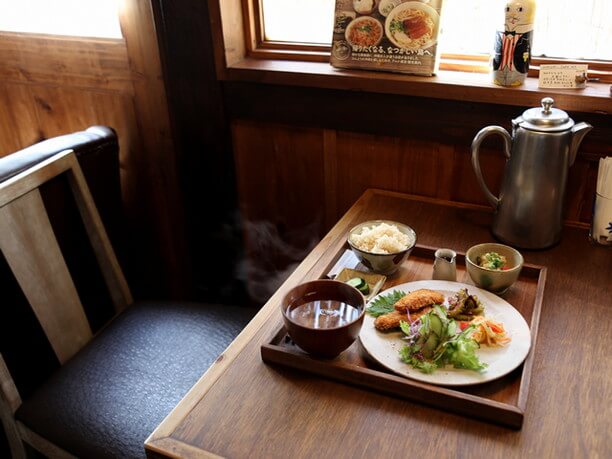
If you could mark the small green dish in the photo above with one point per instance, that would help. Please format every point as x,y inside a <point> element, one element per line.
<point>375,281</point>
<point>496,281</point>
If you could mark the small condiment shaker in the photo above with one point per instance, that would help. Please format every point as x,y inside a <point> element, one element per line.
<point>445,265</point>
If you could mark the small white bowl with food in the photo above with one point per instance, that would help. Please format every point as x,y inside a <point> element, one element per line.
<point>382,245</point>
<point>493,267</point>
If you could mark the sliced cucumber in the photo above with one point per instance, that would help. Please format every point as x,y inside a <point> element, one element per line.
<point>452,328</point>
<point>430,345</point>
<point>360,284</point>
<point>435,324</point>
<point>356,282</point>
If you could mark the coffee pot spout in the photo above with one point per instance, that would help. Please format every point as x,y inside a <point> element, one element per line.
<point>578,132</point>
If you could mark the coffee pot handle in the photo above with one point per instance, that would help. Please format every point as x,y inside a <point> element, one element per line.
<point>489,130</point>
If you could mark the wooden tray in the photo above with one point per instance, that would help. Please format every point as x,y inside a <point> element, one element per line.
<point>501,401</point>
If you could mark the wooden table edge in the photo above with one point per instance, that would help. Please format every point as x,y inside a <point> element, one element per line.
<point>170,447</point>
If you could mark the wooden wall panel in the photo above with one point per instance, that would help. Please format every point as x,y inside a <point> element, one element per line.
<point>36,112</point>
<point>286,176</point>
<point>19,125</point>
<point>65,61</point>
<point>353,162</point>
<point>282,203</point>
<point>289,177</point>
<point>53,85</point>
<point>409,165</point>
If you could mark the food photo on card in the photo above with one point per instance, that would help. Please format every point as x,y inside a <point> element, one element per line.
<point>388,35</point>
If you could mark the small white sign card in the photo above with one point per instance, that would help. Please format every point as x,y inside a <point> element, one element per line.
<point>563,76</point>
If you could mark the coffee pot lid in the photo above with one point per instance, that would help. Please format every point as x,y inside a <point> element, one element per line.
<point>546,118</point>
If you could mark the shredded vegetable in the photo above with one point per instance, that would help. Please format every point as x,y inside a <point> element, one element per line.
<point>489,331</point>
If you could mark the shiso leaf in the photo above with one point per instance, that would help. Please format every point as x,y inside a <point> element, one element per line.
<point>384,303</point>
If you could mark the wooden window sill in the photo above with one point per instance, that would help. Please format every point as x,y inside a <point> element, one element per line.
<point>450,85</point>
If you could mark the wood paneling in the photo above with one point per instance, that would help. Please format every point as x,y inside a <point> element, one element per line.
<point>19,125</point>
<point>37,112</point>
<point>299,181</point>
<point>100,64</point>
<point>286,176</point>
<point>423,117</point>
<point>52,85</point>
<point>286,181</point>
<point>340,165</point>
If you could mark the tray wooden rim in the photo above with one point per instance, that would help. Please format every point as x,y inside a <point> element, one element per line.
<point>448,398</point>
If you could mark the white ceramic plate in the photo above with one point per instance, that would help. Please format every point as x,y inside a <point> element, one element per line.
<point>384,347</point>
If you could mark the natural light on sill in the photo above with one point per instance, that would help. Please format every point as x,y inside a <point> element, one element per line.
<point>564,28</point>
<point>84,18</point>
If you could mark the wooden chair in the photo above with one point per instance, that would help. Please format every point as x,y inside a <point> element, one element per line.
<point>114,387</point>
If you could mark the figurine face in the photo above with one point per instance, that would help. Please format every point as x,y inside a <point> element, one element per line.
<point>520,15</point>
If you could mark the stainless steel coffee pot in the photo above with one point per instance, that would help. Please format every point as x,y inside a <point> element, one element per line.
<point>543,146</point>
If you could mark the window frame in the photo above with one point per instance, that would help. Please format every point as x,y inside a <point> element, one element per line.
<point>238,60</point>
<point>259,48</point>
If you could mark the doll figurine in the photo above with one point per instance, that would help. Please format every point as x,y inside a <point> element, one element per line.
<point>513,45</point>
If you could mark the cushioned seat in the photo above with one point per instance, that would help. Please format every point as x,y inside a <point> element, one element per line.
<point>107,399</point>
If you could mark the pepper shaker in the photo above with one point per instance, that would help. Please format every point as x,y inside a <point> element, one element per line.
<point>445,265</point>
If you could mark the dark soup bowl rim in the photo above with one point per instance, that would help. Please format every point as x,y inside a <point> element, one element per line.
<point>285,306</point>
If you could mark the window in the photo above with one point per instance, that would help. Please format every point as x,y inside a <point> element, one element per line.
<point>564,28</point>
<point>314,24</point>
<point>86,18</point>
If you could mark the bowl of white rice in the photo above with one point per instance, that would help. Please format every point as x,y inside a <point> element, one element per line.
<point>382,245</point>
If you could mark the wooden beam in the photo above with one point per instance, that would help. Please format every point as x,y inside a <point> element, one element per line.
<point>157,159</point>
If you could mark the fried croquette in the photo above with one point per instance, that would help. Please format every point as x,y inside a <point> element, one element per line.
<point>392,320</point>
<point>418,299</point>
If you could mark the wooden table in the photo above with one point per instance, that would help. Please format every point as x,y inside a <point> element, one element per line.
<point>243,407</point>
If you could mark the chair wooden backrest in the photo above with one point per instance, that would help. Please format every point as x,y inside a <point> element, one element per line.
<point>31,249</point>
<point>33,253</point>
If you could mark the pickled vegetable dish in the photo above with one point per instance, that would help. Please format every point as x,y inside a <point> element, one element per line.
<point>493,261</point>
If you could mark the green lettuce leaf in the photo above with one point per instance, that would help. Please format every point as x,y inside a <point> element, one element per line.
<point>433,349</point>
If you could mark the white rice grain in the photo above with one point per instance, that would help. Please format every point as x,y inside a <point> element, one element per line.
<point>382,238</point>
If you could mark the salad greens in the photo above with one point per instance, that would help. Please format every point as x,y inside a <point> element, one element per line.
<point>384,303</point>
<point>436,340</point>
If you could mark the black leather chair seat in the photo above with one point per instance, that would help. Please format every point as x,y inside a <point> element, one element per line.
<point>107,399</point>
